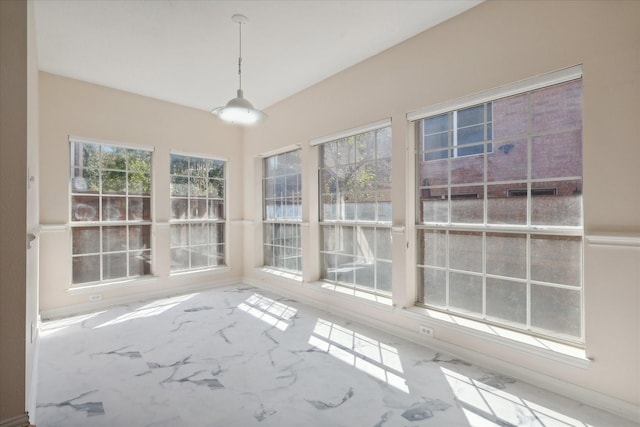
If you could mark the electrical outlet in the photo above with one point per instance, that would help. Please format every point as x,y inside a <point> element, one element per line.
<point>96,297</point>
<point>425,330</point>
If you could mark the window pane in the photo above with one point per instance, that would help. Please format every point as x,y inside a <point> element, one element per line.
<point>465,292</point>
<point>507,255</point>
<point>179,259</point>
<point>114,158</point>
<point>557,155</point>
<point>85,208</point>
<point>510,116</point>
<point>114,182</point>
<point>470,116</point>
<point>466,170</point>
<point>114,266</point>
<point>556,310</point>
<point>216,209</point>
<point>216,233</point>
<point>383,276</point>
<point>432,248</point>
<point>557,107</point>
<point>179,235</point>
<point>436,124</point>
<point>507,204</point>
<point>139,209</point>
<point>139,183</point>
<point>139,237</point>
<point>114,208</point>
<point>85,181</point>
<point>434,208</point>
<point>465,251</point>
<point>85,155</point>
<point>114,239</point>
<point>198,208</point>
<point>199,256</point>
<point>139,160</point>
<point>179,186</point>
<point>434,286</point>
<point>199,234</point>
<point>86,240</point>
<point>467,204</point>
<point>556,259</point>
<point>508,162</point>
<point>198,187</point>
<point>507,300</point>
<point>179,208</point>
<point>86,269</point>
<point>557,203</point>
<point>179,165</point>
<point>383,244</point>
<point>469,135</point>
<point>140,263</point>
<point>216,188</point>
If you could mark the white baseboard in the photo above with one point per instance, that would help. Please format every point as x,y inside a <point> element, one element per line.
<point>572,391</point>
<point>74,310</point>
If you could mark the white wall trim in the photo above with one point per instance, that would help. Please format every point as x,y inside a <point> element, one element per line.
<point>614,239</point>
<point>281,150</point>
<point>80,139</point>
<point>49,228</point>
<point>547,382</point>
<point>353,131</point>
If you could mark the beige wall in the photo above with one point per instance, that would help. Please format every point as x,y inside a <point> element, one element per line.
<point>496,43</point>
<point>493,44</point>
<point>70,107</point>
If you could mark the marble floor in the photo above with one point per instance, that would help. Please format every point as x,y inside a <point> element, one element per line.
<point>240,356</point>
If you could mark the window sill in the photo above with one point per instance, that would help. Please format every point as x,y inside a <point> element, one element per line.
<point>99,287</point>
<point>200,272</point>
<point>505,337</point>
<point>297,277</point>
<point>355,295</point>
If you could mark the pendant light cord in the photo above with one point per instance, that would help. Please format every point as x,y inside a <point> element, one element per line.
<point>240,55</point>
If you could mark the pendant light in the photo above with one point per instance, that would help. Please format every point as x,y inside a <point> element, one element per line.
<point>239,110</point>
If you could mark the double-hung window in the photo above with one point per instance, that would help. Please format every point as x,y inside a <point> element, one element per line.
<point>197,212</point>
<point>499,218</point>
<point>110,212</point>
<point>355,210</point>
<point>282,211</point>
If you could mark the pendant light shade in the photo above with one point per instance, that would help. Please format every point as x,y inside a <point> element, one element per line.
<point>239,110</point>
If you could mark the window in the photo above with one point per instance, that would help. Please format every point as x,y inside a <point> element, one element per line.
<point>355,201</point>
<point>110,212</point>
<point>513,254</point>
<point>197,213</point>
<point>282,211</point>
<point>457,133</point>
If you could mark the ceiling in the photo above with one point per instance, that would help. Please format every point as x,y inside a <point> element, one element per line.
<point>186,51</point>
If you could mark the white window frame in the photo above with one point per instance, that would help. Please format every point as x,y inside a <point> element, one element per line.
<point>288,222</point>
<point>336,225</point>
<point>485,228</point>
<point>146,253</point>
<point>173,222</point>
